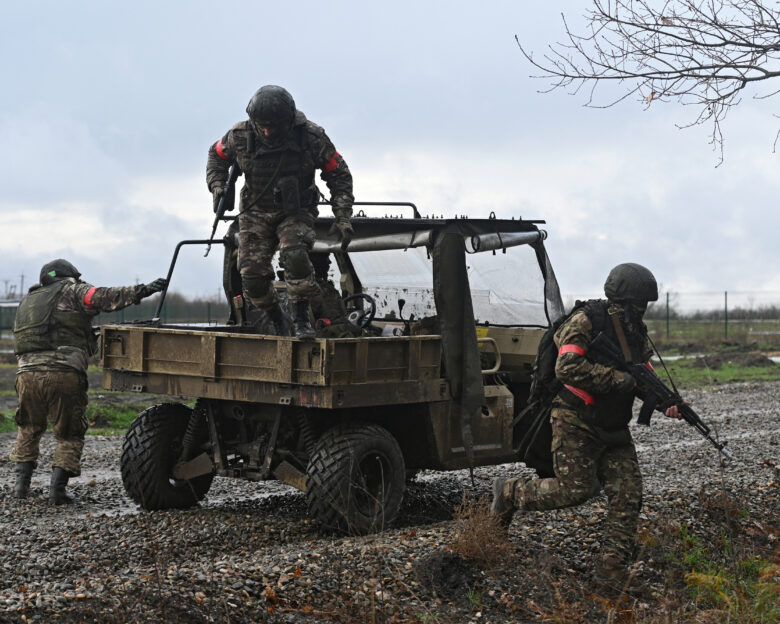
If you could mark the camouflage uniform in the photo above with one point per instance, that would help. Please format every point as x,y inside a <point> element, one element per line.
<point>592,446</point>
<point>265,221</point>
<point>51,381</point>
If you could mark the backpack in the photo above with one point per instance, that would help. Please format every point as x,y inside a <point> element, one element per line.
<point>532,424</point>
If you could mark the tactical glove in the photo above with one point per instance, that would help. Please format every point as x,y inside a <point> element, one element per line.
<point>145,290</point>
<point>343,228</point>
<point>217,192</point>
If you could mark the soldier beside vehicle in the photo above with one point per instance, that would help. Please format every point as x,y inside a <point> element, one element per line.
<point>53,341</point>
<point>592,446</point>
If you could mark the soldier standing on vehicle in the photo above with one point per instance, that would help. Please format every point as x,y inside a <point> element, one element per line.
<point>53,340</point>
<point>278,150</point>
<point>592,446</point>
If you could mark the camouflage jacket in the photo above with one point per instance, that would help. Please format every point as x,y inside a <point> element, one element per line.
<point>574,367</point>
<point>306,149</point>
<point>85,299</point>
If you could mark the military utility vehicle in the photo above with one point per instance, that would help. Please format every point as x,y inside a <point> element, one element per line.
<point>448,316</point>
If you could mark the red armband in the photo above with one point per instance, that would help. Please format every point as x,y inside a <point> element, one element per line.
<point>88,296</point>
<point>571,348</point>
<point>587,397</point>
<point>332,163</point>
<point>220,150</point>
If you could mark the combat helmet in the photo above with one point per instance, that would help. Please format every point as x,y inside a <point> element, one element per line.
<point>56,270</point>
<point>631,282</point>
<point>272,106</point>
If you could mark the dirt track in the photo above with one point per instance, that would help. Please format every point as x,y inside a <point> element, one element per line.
<point>249,548</point>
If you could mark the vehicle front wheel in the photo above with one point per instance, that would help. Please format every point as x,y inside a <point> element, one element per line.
<point>151,448</point>
<point>355,479</point>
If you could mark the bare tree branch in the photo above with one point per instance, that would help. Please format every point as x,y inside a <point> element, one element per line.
<point>699,53</point>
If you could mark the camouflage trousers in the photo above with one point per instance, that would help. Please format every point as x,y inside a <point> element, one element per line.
<point>584,464</point>
<point>56,397</point>
<point>261,232</point>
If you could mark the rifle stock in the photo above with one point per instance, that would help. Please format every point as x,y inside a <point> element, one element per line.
<point>222,206</point>
<point>657,396</point>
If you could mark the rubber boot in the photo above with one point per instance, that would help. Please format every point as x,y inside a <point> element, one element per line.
<point>301,322</point>
<point>57,494</point>
<point>279,319</point>
<point>503,506</point>
<point>24,472</point>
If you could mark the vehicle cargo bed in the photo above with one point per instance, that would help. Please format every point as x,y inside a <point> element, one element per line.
<point>343,372</point>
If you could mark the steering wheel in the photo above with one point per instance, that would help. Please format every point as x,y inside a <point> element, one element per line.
<point>359,316</point>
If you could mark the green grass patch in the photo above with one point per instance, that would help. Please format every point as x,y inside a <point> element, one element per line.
<point>686,373</point>
<point>109,415</point>
<point>742,585</point>
<point>7,424</point>
<point>111,418</point>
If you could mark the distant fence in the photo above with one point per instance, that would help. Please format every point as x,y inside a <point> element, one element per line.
<point>729,316</point>
<point>738,316</point>
<point>763,332</point>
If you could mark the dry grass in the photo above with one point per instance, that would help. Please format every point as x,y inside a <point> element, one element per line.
<point>479,537</point>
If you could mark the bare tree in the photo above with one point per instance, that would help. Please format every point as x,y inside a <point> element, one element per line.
<point>700,53</point>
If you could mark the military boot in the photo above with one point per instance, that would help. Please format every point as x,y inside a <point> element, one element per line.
<point>611,577</point>
<point>503,505</point>
<point>57,493</point>
<point>24,472</point>
<point>301,322</point>
<point>279,319</point>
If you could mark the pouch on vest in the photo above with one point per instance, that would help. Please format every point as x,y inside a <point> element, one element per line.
<point>287,195</point>
<point>613,438</point>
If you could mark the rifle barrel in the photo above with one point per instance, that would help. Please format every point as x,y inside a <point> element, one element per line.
<point>235,171</point>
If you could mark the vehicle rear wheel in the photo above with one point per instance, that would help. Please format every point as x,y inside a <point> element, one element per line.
<point>150,450</point>
<point>355,479</point>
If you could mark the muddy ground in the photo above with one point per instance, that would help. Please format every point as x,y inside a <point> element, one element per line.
<point>249,553</point>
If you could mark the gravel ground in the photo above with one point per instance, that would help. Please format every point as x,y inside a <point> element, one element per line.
<point>249,554</point>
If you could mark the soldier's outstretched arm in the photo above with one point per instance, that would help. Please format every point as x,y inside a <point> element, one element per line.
<point>96,299</point>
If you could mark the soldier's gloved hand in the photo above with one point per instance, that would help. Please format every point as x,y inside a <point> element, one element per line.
<point>343,229</point>
<point>217,192</point>
<point>626,384</point>
<point>145,290</point>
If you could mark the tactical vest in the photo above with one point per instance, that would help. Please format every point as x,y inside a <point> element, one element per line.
<point>610,411</point>
<point>40,326</point>
<point>264,166</point>
<point>609,415</point>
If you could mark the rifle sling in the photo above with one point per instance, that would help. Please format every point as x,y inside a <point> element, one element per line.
<point>621,336</point>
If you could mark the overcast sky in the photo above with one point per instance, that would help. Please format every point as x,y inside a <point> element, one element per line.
<point>108,110</point>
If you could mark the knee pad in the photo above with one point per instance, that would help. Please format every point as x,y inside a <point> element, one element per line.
<point>295,261</point>
<point>256,286</point>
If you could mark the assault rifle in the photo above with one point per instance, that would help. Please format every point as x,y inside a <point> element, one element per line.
<point>222,206</point>
<point>656,395</point>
